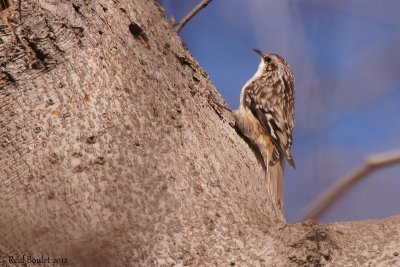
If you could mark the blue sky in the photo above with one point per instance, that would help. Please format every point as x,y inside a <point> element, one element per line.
<point>345,55</point>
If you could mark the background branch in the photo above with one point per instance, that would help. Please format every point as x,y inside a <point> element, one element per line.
<point>326,199</point>
<point>191,14</point>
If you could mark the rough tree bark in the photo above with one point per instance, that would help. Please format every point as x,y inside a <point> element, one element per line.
<point>115,151</point>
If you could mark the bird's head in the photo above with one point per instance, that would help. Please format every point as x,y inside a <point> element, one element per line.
<point>270,62</point>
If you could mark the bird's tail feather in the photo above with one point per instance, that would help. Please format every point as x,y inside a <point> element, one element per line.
<point>274,176</point>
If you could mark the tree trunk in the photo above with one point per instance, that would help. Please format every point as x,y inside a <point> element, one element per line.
<point>115,151</point>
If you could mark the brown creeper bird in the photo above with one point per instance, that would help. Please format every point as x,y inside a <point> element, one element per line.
<point>266,118</point>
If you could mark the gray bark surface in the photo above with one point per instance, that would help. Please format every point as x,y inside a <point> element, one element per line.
<point>115,151</point>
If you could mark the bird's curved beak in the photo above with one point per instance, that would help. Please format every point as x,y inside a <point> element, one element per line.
<point>262,54</point>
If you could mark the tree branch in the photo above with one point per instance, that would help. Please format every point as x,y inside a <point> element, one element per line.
<point>191,14</point>
<point>371,164</point>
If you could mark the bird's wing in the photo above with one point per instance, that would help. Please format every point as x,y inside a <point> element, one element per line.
<point>273,119</point>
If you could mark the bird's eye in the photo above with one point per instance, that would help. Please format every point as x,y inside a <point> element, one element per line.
<point>268,59</point>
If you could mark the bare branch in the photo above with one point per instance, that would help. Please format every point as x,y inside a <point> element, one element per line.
<point>371,164</point>
<point>190,15</point>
